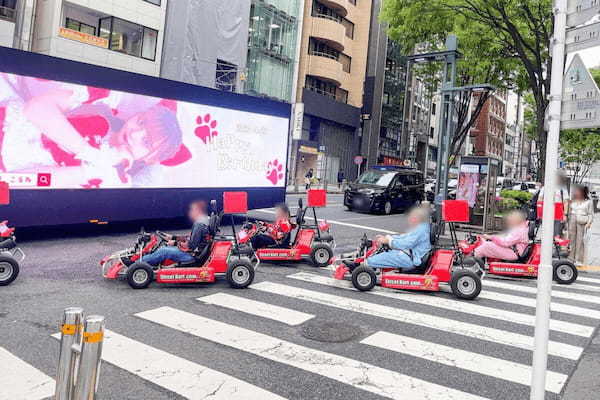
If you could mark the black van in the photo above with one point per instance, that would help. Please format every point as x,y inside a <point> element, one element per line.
<point>385,189</point>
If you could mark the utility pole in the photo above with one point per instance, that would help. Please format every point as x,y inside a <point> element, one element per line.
<point>544,281</point>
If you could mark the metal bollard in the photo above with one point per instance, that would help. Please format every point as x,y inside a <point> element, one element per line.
<point>71,335</point>
<point>90,358</point>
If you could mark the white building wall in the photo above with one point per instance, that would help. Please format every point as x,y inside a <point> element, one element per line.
<point>50,17</point>
<point>7,33</point>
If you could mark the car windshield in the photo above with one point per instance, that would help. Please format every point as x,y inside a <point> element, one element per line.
<point>378,178</point>
<point>531,185</point>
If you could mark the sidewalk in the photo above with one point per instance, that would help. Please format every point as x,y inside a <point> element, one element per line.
<point>332,188</point>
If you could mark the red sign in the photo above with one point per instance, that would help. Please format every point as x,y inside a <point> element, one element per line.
<point>317,198</point>
<point>235,202</point>
<point>4,193</point>
<point>358,160</point>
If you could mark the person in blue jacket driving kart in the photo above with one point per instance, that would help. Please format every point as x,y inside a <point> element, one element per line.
<point>408,249</point>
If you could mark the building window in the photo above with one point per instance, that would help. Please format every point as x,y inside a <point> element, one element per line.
<point>226,76</point>
<point>129,38</point>
<point>346,62</point>
<point>349,28</point>
<point>326,88</point>
<point>7,9</point>
<point>80,26</point>
<point>321,49</point>
<point>322,11</point>
<point>155,2</point>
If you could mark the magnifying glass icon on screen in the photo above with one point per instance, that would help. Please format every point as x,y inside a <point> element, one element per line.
<point>43,180</point>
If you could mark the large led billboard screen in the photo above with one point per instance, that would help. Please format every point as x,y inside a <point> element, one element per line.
<point>59,135</point>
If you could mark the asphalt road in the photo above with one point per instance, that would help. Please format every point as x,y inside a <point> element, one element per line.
<point>164,343</point>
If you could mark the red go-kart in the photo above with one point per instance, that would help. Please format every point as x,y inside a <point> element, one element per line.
<point>526,266</point>
<point>10,255</point>
<point>312,241</point>
<point>222,256</point>
<point>440,267</point>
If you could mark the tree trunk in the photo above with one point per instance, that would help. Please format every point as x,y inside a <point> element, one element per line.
<point>542,137</point>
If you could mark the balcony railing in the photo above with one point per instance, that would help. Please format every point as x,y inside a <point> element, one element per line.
<point>8,14</point>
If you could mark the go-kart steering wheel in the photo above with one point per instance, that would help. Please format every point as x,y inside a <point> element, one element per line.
<point>163,236</point>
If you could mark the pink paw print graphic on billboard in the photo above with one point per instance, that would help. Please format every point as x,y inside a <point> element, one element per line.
<point>206,129</point>
<point>274,171</point>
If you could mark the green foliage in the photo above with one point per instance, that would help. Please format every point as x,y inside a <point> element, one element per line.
<point>596,75</point>
<point>507,204</point>
<point>519,196</point>
<point>580,149</point>
<point>503,42</point>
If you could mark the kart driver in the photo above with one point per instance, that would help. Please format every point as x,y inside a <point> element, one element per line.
<point>276,234</point>
<point>179,248</point>
<point>509,246</point>
<point>407,250</point>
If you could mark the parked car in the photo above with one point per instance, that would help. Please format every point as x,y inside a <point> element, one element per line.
<point>531,187</point>
<point>385,189</point>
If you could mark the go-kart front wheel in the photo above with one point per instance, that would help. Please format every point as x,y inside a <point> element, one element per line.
<point>465,284</point>
<point>565,272</point>
<point>364,278</point>
<point>9,269</point>
<point>321,254</point>
<point>474,264</point>
<point>240,273</point>
<point>140,275</point>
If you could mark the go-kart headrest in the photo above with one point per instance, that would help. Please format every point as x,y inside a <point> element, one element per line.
<point>300,216</point>
<point>213,224</point>
<point>300,203</point>
<point>235,202</point>
<point>434,231</point>
<point>532,230</point>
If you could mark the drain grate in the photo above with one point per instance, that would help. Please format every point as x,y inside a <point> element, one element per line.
<point>331,332</point>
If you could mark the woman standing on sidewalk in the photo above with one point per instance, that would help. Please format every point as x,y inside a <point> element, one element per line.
<point>581,216</point>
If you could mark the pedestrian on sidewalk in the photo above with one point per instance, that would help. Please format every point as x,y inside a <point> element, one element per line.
<point>561,195</point>
<point>340,178</point>
<point>308,179</point>
<point>581,216</point>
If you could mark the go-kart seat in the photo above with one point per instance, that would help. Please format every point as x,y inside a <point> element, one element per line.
<point>200,257</point>
<point>422,267</point>
<point>523,258</point>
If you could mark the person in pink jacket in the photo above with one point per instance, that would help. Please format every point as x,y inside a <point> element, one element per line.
<point>510,245</point>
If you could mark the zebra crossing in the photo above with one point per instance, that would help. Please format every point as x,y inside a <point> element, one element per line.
<point>411,345</point>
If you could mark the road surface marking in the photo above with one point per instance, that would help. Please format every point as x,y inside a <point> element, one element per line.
<point>357,374</point>
<point>577,286</point>
<point>533,290</point>
<point>451,304</point>
<point>531,302</point>
<point>181,376</point>
<point>270,211</point>
<point>586,279</point>
<point>21,381</point>
<point>410,317</point>
<point>482,364</point>
<point>260,309</point>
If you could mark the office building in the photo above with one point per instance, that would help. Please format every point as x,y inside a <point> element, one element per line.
<point>333,61</point>
<point>488,132</point>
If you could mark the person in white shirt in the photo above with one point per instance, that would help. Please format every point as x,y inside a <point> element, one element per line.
<point>581,216</point>
<point>561,195</point>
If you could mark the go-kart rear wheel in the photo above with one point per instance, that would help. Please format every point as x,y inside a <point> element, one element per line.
<point>140,275</point>
<point>240,273</point>
<point>321,254</point>
<point>364,278</point>
<point>565,272</point>
<point>465,284</point>
<point>9,269</point>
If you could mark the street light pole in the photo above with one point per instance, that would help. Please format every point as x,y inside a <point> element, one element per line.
<point>545,272</point>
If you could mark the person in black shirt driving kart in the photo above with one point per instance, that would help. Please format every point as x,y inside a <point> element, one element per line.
<point>179,249</point>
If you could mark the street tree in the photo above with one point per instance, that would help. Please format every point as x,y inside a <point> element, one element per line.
<point>580,150</point>
<point>504,42</point>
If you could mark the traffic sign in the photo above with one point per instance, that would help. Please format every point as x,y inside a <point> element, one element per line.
<point>358,160</point>
<point>581,92</point>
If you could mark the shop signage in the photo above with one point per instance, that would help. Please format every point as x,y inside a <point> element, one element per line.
<point>83,37</point>
<point>297,120</point>
<point>308,150</point>
<point>358,160</point>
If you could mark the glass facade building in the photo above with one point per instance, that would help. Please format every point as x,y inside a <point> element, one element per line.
<point>272,44</point>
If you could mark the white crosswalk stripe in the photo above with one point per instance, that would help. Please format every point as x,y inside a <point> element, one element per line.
<point>258,308</point>
<point>21,381</point>
<point>176,374</point>
<point>531,302</point>
<point>586,279</point>
<point>577,286</point>
<point>533,290</point>
<point>466,360</point>
<point>451,304</point>
<point>360,375</point>
<point>430,321</point>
